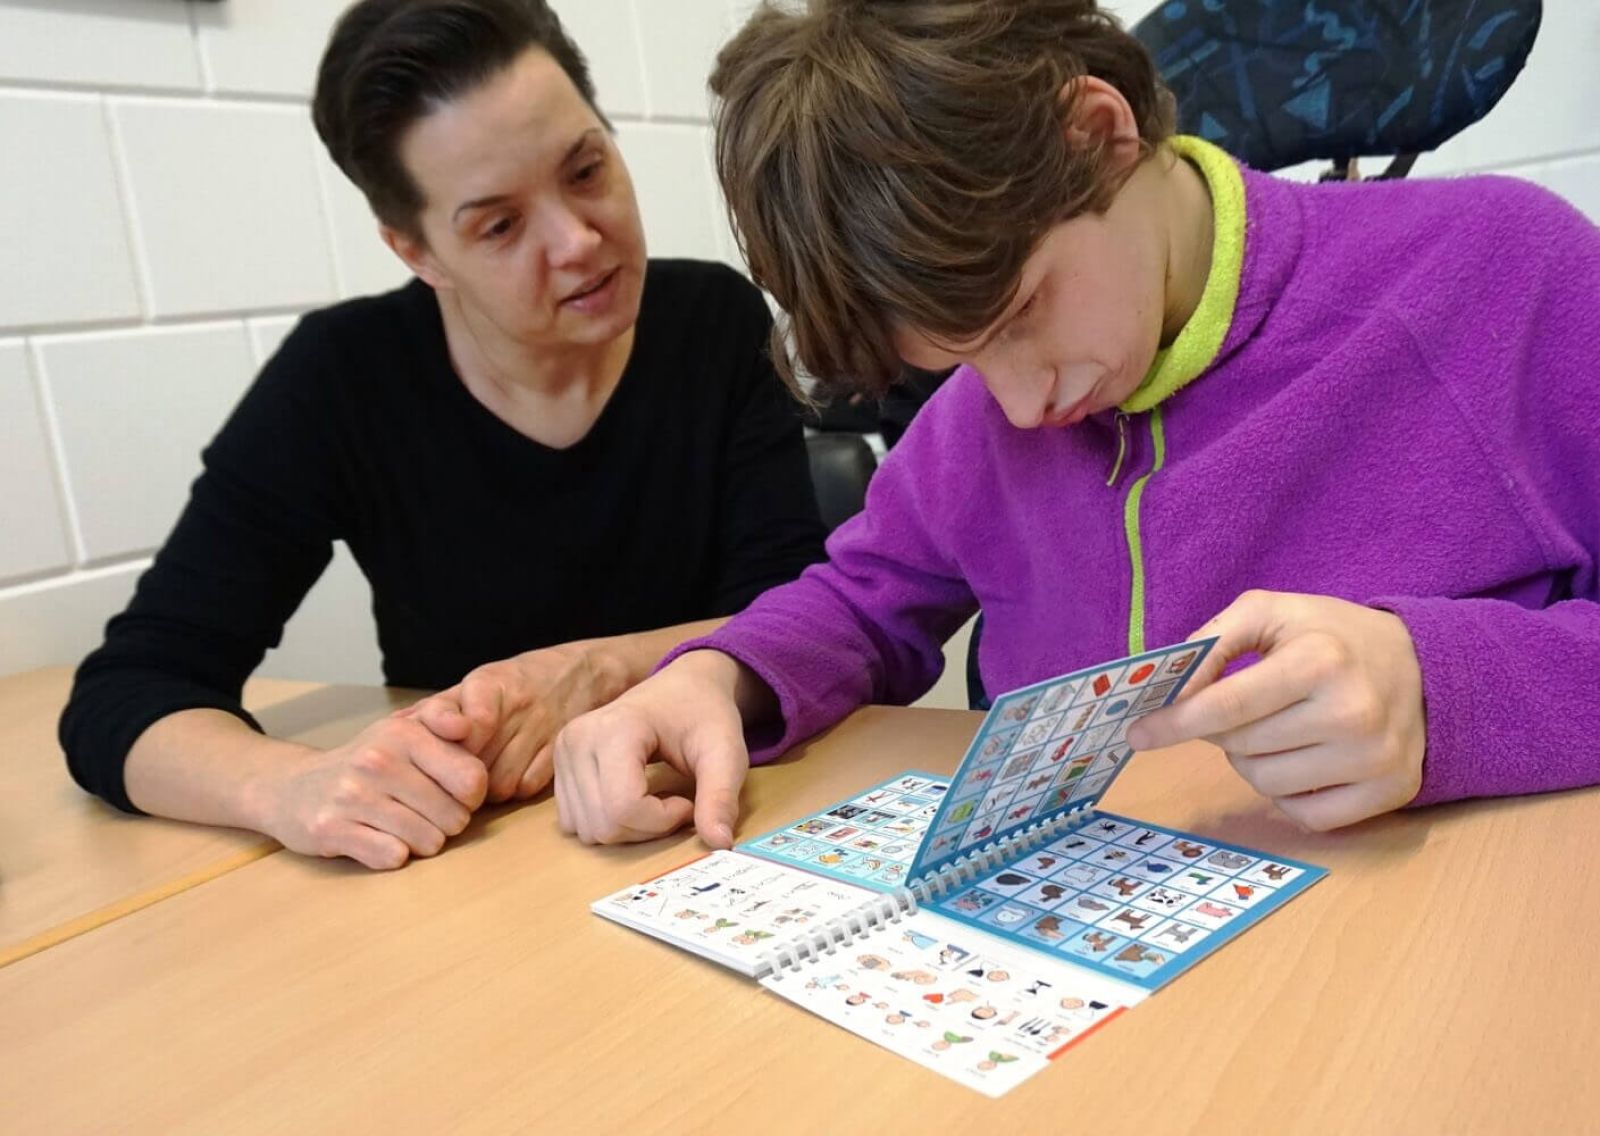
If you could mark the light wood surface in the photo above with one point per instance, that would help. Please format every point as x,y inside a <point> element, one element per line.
<point>69,862</point>
<point>1440,980</point>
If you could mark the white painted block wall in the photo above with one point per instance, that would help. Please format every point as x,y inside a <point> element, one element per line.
<point>149,267</point>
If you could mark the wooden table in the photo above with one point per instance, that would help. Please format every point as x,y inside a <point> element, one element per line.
<point>1440,980</point>
<point>69,863</point>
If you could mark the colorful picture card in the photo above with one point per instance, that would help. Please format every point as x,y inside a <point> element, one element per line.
<point>1131,901</point>
<point>955,1001</point>
<point>1051,748</point>
<point>869,839</point>
<point>732,909</point>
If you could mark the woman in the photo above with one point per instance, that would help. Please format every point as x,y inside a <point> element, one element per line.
<point>545,441</point>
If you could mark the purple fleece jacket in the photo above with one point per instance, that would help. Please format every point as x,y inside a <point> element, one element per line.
<point>1400,415</point>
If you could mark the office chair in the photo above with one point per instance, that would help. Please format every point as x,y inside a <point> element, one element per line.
<point>842,462</point>
<point>1279,82</point>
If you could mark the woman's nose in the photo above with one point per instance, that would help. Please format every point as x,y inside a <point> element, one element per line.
<point>569,237</point>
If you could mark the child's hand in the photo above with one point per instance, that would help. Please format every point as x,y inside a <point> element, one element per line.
<point>685,715</point>
<point>1329,724</point>
<point>508,712</point>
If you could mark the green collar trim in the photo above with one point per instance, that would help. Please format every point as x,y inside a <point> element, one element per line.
<point>1197,345</point>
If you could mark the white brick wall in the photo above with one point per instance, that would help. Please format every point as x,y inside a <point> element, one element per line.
<point>165,389</point>
<point>150,268</point>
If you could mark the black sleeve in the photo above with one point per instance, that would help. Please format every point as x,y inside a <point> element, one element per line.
<point>768,526</point>
<point>255,535</point>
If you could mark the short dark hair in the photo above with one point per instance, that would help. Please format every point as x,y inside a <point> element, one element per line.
<point>896,161</point>
<point>392,62</point>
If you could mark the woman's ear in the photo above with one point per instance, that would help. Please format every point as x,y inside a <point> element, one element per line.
<point>1097,115</point>
<point>417,256</point>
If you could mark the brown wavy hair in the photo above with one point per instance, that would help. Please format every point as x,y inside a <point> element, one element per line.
<point>895,162</point>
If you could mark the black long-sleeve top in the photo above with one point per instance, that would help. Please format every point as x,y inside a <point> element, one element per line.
<point>688,497</point>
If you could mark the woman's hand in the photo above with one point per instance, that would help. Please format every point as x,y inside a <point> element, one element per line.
<point>508,712</point>
<point>689,715</point>
<point>394,792</point>
<point>1329,724</point>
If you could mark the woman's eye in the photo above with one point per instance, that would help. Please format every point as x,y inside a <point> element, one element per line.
<point>499,229</point>
<point>587,174</point>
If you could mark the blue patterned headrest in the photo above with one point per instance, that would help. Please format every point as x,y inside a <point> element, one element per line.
<point>1276,82</point>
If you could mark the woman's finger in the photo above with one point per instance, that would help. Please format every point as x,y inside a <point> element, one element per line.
<point>538,774</point>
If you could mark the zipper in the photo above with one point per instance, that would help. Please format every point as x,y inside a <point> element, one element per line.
<point>1130,524</point>
<point>1122,448</point>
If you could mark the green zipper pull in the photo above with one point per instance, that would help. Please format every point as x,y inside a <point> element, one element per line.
<point>1130,524</point>
<point>1122,447</point>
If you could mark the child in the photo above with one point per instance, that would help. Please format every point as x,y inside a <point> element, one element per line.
<point>1349,429</point>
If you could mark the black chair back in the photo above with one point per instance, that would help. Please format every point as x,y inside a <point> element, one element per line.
<point>1279,82</point>
<point>841,465</point>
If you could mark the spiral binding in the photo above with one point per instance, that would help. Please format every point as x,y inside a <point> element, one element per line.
<point>891,907</point>
<point>966,868</point>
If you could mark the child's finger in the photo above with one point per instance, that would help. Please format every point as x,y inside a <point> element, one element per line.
<point>1295,727</point>
<point>1245,626</point>
<point>1341,805</point>
<point>719,775</point>
<point>613,803</point>
<point>1290,774</point>
<point>1278,681</point>
<point>651,817</point>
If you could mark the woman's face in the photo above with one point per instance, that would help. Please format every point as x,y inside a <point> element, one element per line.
<point>529,216</point>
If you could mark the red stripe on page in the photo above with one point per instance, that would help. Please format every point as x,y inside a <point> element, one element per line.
<point>1087,1032</point>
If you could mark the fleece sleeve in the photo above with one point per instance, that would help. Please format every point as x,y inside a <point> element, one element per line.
<point>1510,688</point>
<point>869,624</point>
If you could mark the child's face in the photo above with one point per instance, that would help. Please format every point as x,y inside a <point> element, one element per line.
<point>1088,316</point>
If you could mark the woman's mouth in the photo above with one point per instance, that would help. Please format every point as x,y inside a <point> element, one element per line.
<point>595,294</point>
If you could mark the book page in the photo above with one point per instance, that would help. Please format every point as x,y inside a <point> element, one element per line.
<point>954,1000</point>
<point>1133,901</point>
<point>732,908</point>
<point>869,838</point>
<point>1050,749</point>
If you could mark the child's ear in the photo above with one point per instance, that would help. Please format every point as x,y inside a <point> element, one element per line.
<point>412,249</point>
<point>1097,115</point>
